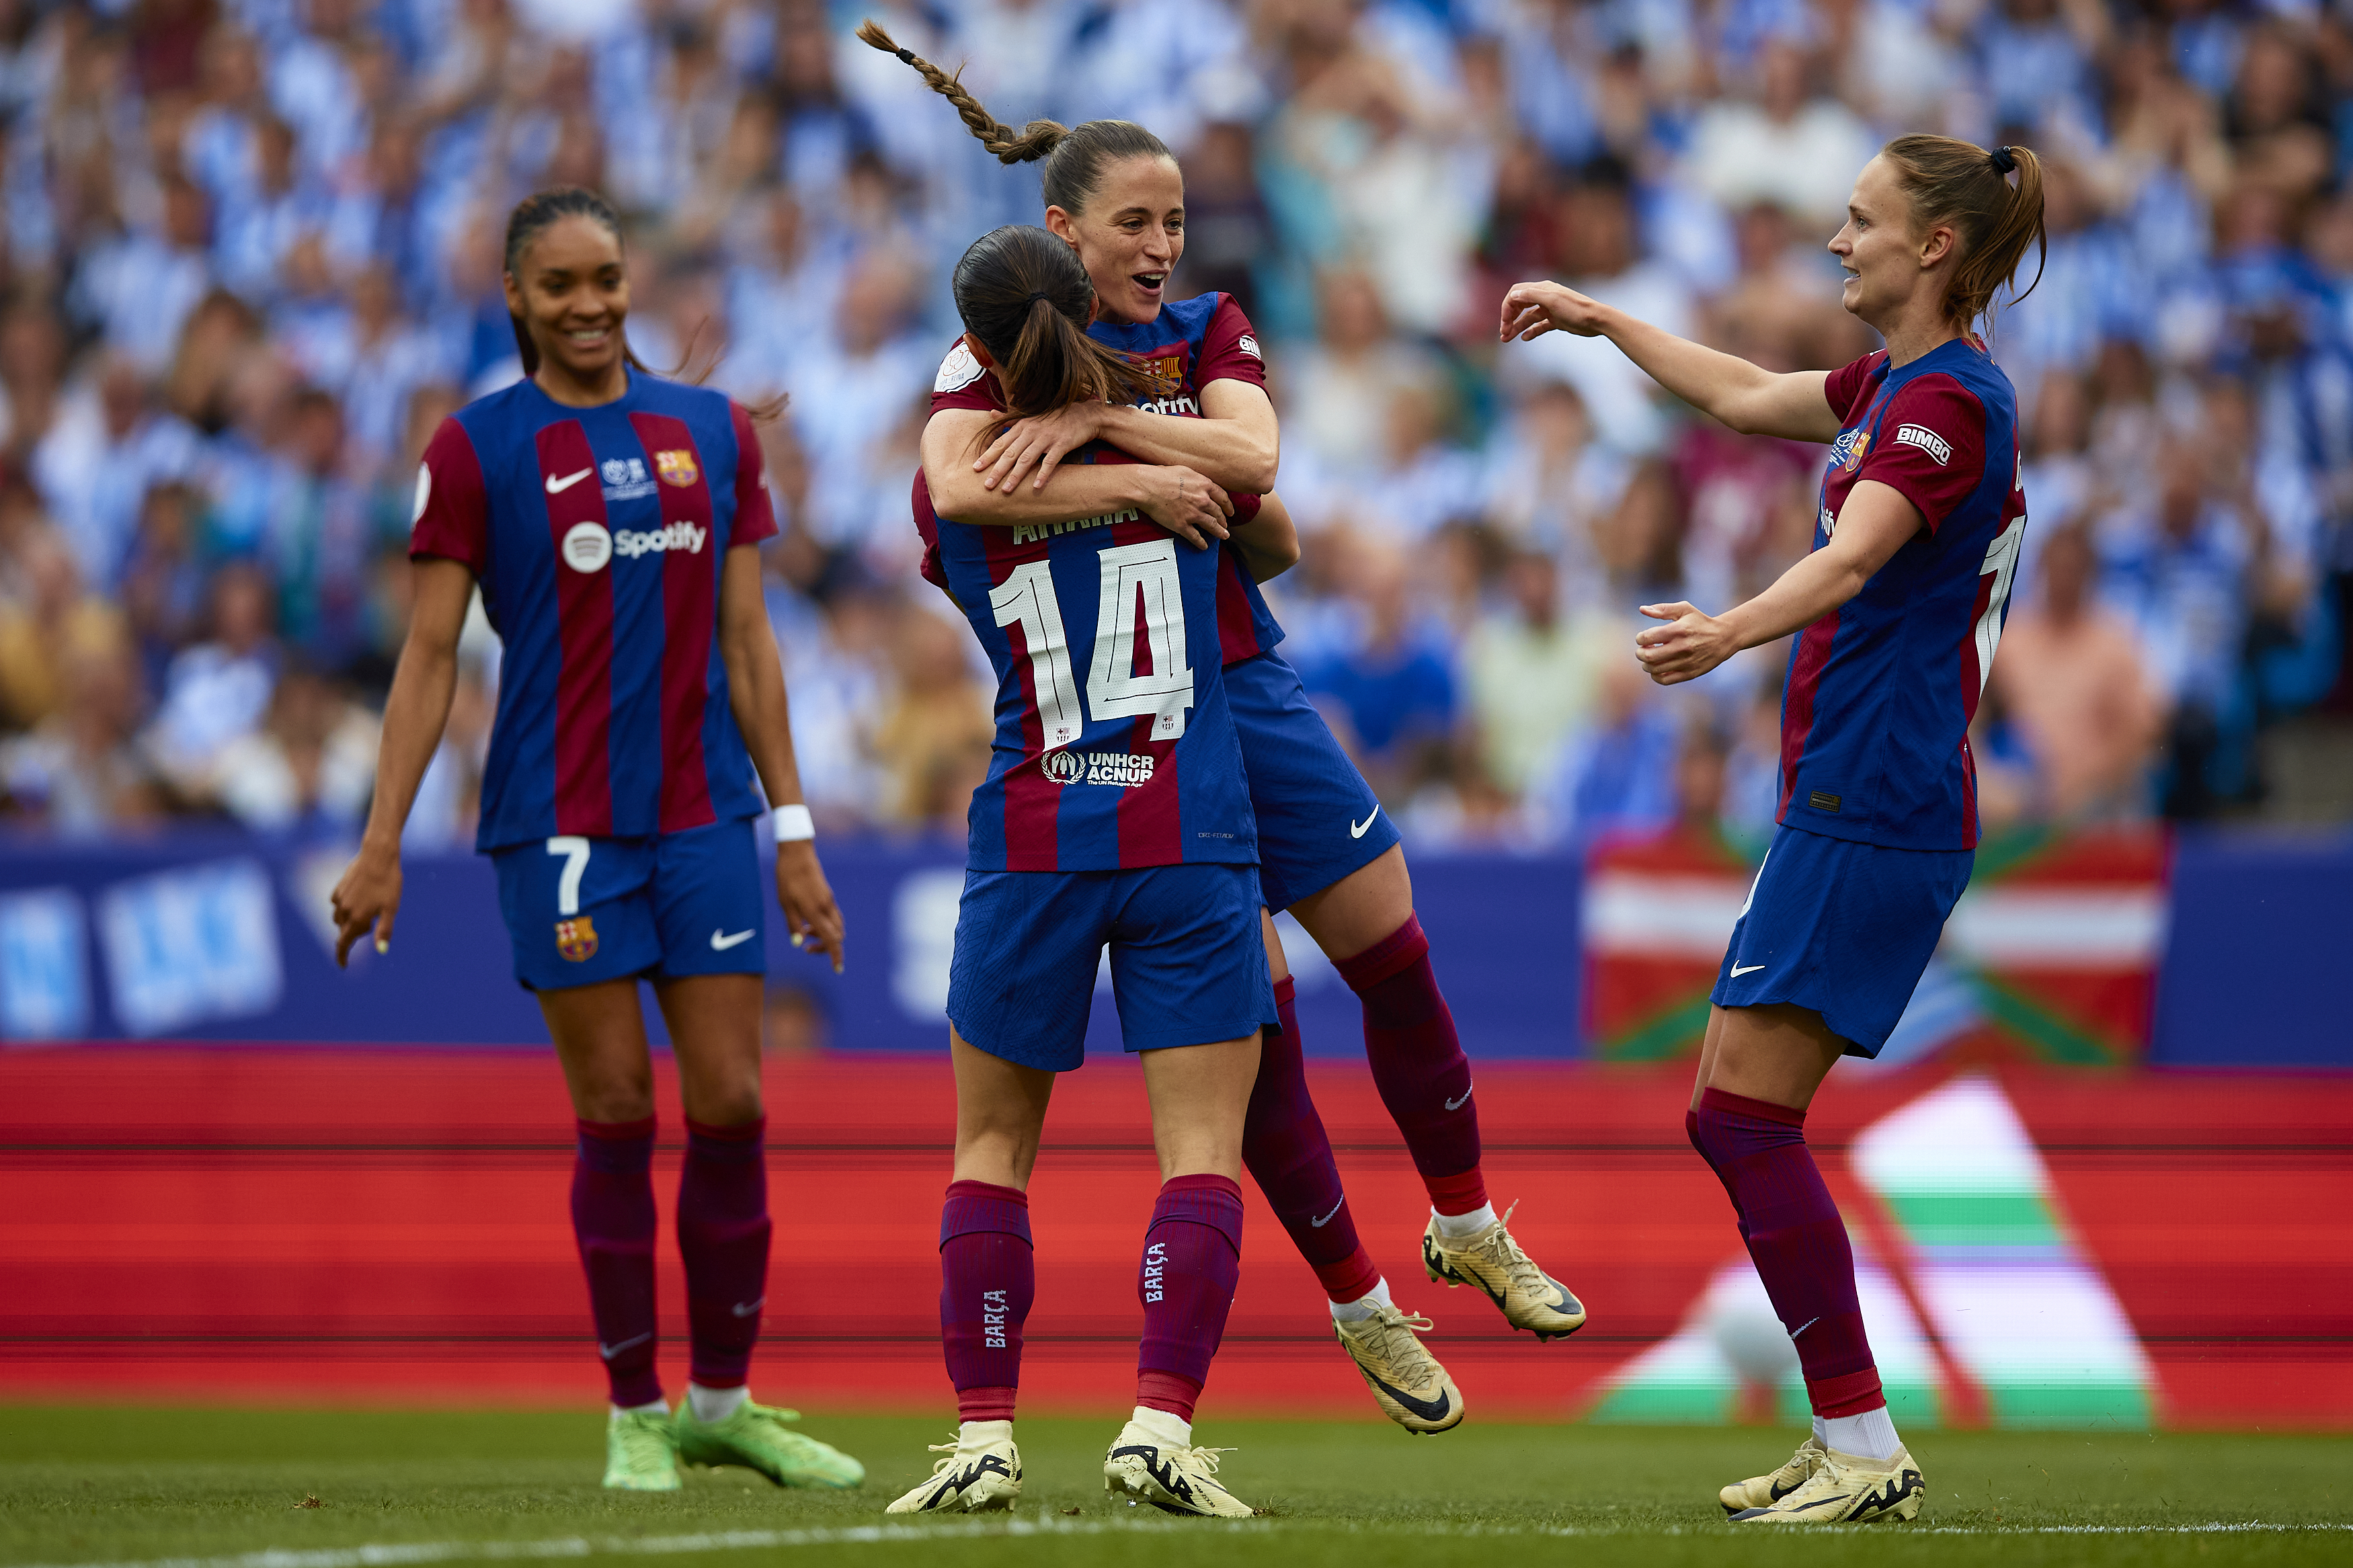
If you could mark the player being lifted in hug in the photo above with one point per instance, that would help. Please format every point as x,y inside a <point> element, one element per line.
<point>1115,194</point>
<point>1898,610</point>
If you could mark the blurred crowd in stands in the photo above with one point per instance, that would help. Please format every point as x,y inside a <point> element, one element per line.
<point>249,256</point>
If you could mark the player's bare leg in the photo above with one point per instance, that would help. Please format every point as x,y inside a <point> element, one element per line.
<point>1365,923</point>
<point>1759,1069</point>
<point>1289,1156</point>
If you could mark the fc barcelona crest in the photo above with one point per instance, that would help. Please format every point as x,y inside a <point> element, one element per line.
<point>1847,452</point>
<point>1165,372</point>
<point>576,938</point>
<point>676,468</point>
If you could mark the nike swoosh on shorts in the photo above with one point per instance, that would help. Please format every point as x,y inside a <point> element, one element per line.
<point>1357,829</point>
<point>1737,972</point>
<point>721,942</point>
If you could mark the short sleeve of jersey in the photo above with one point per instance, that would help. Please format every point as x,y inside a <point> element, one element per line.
<point>755,510</point>
<point>1228,348</point>
<point>1931,445</point>
<point>927,525</point>
<point>452,516</point>
<point>965,383</point>
<point>1850,385</point>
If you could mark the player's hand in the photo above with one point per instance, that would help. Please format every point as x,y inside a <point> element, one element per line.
<point>1188,505</point>
<point>1689,646</point>
<point>1532,310</point>
<point>1043,439</point>
<point>811,917</point>
<point>366,899</point>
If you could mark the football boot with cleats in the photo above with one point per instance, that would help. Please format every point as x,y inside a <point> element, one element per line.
<point>1847,1489</point>
<point>977,1479</point>
<point>1408,1385</point>
<point>761,1437</point>
<point>641,1452</point>
<point>1175,1479</point>
<point>1530,1298</point>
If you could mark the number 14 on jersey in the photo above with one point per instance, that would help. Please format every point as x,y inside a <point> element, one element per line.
<point>1141,596</point>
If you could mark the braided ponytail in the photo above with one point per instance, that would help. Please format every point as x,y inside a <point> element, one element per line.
<point>1074,158</point>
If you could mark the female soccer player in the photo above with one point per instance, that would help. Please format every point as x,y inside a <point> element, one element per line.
<point>610,519</point>
<point>1900,606</point>
<point>1113,192</point>
<point>1114,813</point>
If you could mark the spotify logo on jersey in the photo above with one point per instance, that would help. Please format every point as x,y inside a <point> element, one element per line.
<point>587,547</point>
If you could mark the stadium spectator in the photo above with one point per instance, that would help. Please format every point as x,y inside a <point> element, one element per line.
<point>218,690</point>
<point>222,223</point>
<point>2070,674</point>
<point>1387,688</point>
<point>1530,674</point>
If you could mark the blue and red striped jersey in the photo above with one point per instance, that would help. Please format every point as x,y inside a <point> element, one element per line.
<point>1185,348</point>
<point>1114,748</point>
<point>596,535</point>
<point>1875,715</point>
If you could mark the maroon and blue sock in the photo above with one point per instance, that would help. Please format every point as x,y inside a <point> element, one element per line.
<point>989,1278</point>
<point>722,1236</point>
<point>1289,1156</point>
<point>613,1221</point>
<point>1796,1240</point>
<point>1418,1066</point>
<point>1192,1261</point>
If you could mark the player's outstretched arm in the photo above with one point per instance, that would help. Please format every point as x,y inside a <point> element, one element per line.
<point>368,897</point>
<point>755,693</point>
<point>1871,527</point>
<point>1176,498</point>
<point>1236,443</point>
<point>1269,542</point>
<point>1747,397</point>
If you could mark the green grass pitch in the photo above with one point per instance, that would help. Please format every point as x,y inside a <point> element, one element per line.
<point>118,1485</point>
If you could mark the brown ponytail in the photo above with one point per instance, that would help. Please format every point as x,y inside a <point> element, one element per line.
<point>1959,183</point>
<point>1075,159</point>
<point>539,211</point>
<point>1023,294</point>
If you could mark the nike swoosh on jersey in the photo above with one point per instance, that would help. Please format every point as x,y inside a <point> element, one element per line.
<point>1320,1224</point>
<point>1356,829</point>
<point>556,487</point>
<point>1737,972</point>
<point>721,942</point>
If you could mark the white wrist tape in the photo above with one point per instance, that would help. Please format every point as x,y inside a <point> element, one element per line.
<point>794,824</point>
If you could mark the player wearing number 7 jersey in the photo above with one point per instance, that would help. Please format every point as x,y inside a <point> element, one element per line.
<point>611,520</point>
<point>1897,610</point>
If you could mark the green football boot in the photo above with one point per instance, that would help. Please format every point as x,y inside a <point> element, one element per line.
<point>760,1438</point>
<point>641,1452</point>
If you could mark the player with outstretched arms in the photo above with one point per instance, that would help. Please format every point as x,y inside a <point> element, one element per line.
<point>1207,431</point>
<point>611,519</point>
<point>1897,611</point>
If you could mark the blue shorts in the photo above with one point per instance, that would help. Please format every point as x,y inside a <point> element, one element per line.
<point>1318,820</point>
<point>1187,959</point>
<point>583,909</point>
<point>1843,928</point>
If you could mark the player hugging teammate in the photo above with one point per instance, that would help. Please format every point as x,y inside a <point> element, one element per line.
<point>1897,610</point>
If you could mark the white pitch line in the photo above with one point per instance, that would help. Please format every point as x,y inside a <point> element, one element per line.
<point>399,1555</point>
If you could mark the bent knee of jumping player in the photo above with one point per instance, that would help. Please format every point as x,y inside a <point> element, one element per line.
<point>1200,1095</point>
<point>1779,1052</point>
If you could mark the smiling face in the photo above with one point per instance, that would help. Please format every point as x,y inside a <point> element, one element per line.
<point>1130,235</point>
<point>571,289</point>
<point>1887,263</point>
